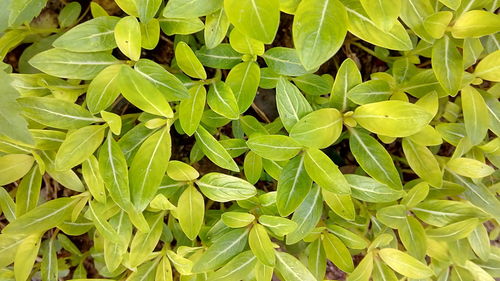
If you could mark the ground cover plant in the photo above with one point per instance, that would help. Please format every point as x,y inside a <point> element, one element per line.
<point>292,140</point>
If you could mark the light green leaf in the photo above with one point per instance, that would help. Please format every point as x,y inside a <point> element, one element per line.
<point>7,205</point>
<point>180,171</point>
<point>274,147</point>
<point>318,129</point>
<point>468,167</point>
<point>374,159</point>
<point>43,217</point>
<point>221,56</point>
<point>488,67</point>
<point>319,28</point>
<point>188,62</point>
<point>221,99</point>
<point>115,251</point>
<point>363,271</point>
<point>475,112</point>
<point>261,245</point>
<point>28,192</point>
<point>340,204</point>
<point>244,44</point>
<point>292,269</point>
<point>454,231</point>
<point>150,34</point>
<point>337,252</point>
<point>91,36</point>
<point>347,77</point>
<point>214,150</point>
<point>191,8</point>
<point>316,261</point>
<point>252,166</point>
<point>392,118</point>
<point>370,190</point>
<point>144,243</point>
<point>14,167</point>
<point>293,186</point>
<point>141,93</point>
<point>324,172</point>
<point>405,264</point>
<point>278,225</point>
<point>236,269</point>
<point>171,26</point>
<point>216,26</point>
<point>369,92</point>
<point>147,9</point>
<point>49,269</point>
<point>66,64</point>
<point>447,64</point>
<point>190,212</point>
<point>128,37</point>
<point>263,14</point>
<point>25,256</point>
<point>237,219</point>
<point>191,109</point>
<point>480,242</point>
<point>223,188</point>
<point>223,249</point>
<point>443,212</point>
<point>412,235</point>
<point>56,113</point>
<point>423,162</point>
<point>103,89</point>
<point>24,11</point>
<point>292,105</point>
<point>148,167</point>
<point>78,146</point>
<point>384,14</point>
<point>476,23</point>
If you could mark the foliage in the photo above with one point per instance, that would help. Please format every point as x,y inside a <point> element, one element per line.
<point>389,175</point>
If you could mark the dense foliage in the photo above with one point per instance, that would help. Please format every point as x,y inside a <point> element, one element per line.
<point>133,147</point>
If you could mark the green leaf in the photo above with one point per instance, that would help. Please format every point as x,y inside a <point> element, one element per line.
<point>317,259</point>
<point>370,92</point>
<point>94,35</point>
<point>261,245</point>
<point>49,269</point>
<point>274,147</point>
<point>221,99</point>
<point>480,242</point>
<point>374,159</point>
<point>475,112</point>
<point>7,205</point>
<point>337,252</point>
<point>393,216</point>
<point>28,192</point>
<point>392,118</point>
<point>188,62</point>
<point>66,64</point>
<point>292,105</point>
<point>222,56</point>
<point>350,239</point>
<point>382,272</point>
<point>370,190</point>
<point>214,150</point>
<point>405,264</point>
<point>415,195</point>
<point>244,80</point>
<point>292,269</point>
<point>24,11</point>
<point>191,8</point>
<point>252,166</point>
<point>103,89</point>
<point>12,124</point>
<point>471,168</point>
<point>363,27</point>
<point>93,179</point>
<point>264,16</point>
<point>216,26</point>
<point>293,186</point>
<point>78,146</point>
<point>284,61</point>
<point>278,225</point>
<point>42,218</point>
<point>237,219</point>
<point>138,91</point>
<point>223,188</point>
<point>191,109</point>
<point>324,172</point>
<point>101,224</point>
<point>319,29</point>
<point>488,68</point>
<point>318,129</point>
<point>447,64</point>
<point>423,162</point>
<point>190,212</point>
<point>180,171</point>
<point>150,34</point>
<point>114,121</point>
<point>14,167</point>
<point>223,249</point>
<point>168,84</point>
<point>244,44</point>
<point>144,243</point>
<point>56,113</point>
<point>171,26</point>
<point>437,23</point>
<point>236,269</point>
<point>313,84</point>
<point>147,9</point>
<point>476,23</point>
<point>148,167</point>
<point>114,172</point>
<point>306,216</point>
<point>128,37</point>
<point>347,77</point>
